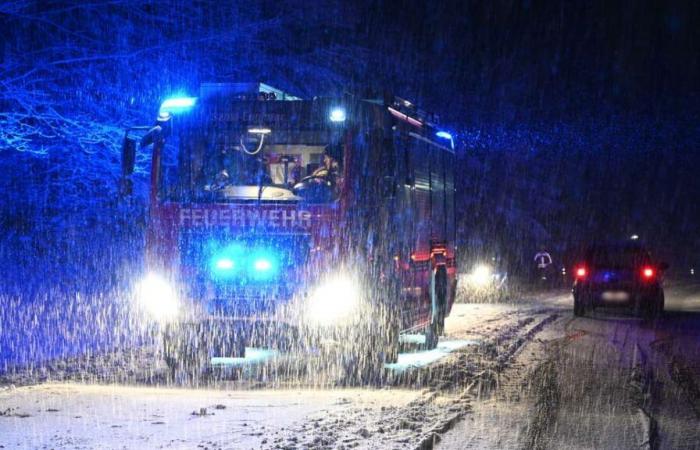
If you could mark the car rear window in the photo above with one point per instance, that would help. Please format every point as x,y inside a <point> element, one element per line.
<point>617,257</point>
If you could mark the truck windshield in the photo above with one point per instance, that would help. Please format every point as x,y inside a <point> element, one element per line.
<point>216,168</point>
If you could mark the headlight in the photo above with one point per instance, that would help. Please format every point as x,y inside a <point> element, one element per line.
<point>157,298</point>
<point>481,275</point>
<point>333,300</point>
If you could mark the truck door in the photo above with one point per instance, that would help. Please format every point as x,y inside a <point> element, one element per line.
<point>414,224</point>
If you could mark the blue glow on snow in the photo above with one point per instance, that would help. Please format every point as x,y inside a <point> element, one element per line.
<point>407,361</point>
<point>410,360</point>
<point>252,356</point>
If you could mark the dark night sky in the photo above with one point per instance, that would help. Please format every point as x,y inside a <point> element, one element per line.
<point>596,104</point>
<point>565,111</point>
<point>544,56</point>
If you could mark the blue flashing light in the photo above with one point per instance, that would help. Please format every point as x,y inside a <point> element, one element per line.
<point>443,135</point>
<point>177,104</point>
<point>235,262</point>
<point>225,264</point>
<point>262,265</point>
<point>337,115</point>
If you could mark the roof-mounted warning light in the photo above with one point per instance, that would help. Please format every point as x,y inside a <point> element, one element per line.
<point>445,135</point>
<point>175,105</point>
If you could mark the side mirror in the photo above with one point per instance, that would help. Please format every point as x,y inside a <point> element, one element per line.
<point>388,187</point>
<point>128,163</point>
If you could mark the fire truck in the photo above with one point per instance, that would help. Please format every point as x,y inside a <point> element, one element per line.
<point>294,223</point>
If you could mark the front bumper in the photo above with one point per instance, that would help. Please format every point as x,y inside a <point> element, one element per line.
<point>336,301</point>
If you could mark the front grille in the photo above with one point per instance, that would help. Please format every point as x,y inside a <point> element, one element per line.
<point>242,293</point>
<point>199,250</point>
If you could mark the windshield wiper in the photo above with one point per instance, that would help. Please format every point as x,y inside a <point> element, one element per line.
<point>261,187</point>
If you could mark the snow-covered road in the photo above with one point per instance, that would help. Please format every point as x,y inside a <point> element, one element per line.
<point>523,375</point>
<point>608,380</point>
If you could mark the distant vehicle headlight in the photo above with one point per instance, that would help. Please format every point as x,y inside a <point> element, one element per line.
<point>334,300</point>
<point>157,297</point>
<point>482,275</point>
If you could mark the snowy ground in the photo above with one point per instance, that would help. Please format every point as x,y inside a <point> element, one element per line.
<point>605,381</point>
<point>524,375</point>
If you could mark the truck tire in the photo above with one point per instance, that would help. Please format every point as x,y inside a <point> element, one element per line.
<point>226,340</point>
<point>365,365</point>
<point>385,344</point>
<point>438,297</point>
<point>184,351</point>
<point>370,347</point>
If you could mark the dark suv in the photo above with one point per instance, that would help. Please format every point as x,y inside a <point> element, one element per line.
<point>619,274</point>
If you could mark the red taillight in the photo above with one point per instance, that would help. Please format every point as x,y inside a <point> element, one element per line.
<point>581,272</point>
<point>648,273</point>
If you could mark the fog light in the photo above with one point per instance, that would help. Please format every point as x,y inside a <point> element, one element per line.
<point>157,298</point>
<point>481,275</point>
<point>333,301</point>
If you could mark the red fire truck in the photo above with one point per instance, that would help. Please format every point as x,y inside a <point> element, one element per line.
<point>277,221</point>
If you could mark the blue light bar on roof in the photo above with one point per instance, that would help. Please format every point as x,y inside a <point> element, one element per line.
<point>444,135</point>
<point>177,104</point>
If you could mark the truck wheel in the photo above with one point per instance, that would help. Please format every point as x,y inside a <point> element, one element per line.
<point>239,348</point>
<point>227,341</point>
<point>368,352</point>
<point>185,351</point>
<point>387,348</point>
<point>366,364</point>
<point>438,296</point>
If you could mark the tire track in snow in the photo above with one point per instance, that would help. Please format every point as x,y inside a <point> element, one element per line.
<point>546,404</point>
<point>679,382</point>
<point>646,386</point>
<point>501,351</point>
<point>446,400</point>
<point>684,378</point>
